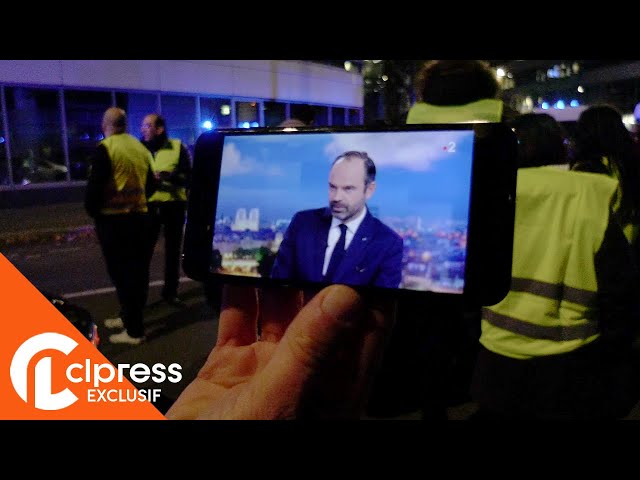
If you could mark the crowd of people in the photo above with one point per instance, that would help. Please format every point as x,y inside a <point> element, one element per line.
<point>559,346</point>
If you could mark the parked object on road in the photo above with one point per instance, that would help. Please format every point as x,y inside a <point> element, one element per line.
<point>78,316</point>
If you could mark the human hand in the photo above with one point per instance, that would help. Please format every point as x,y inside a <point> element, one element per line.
<point>312,361</point>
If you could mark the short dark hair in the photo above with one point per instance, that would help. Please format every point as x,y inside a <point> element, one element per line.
<point>369,166</point>
<point>455,82</point>
<point>541,140</point>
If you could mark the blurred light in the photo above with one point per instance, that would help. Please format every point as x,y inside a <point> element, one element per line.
<point>500,72</point>
<point>509,75</point>
<point>347,65</point>
<point>207,125</point>
<point>85,136</point>
<point>376,61</point>
<point>225,109</point>
<point>1,139</point>
<point>574,103</point>
<point>545,106</point>
<point>100,137</point>
<point>580,89</point>
<point>384,78</point>
<point>244,125</point>
<point>636,111</point>
<point>629,119</point>
<point>255,124</point>
<point>528,103</point>
<point>560,105</point>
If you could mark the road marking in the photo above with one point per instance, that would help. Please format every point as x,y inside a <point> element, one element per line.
<point>101,291</point>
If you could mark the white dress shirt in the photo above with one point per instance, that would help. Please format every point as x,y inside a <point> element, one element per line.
<point>334,235</point>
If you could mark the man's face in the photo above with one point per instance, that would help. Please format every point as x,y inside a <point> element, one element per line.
<point>148,128</point>
<point>347,191</point>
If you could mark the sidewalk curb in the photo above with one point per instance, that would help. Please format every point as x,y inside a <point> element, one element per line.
<point>58,235</point>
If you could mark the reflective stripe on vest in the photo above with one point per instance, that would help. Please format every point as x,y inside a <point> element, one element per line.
<point>130,162</point>
<point>166,160</point>
<point>561,218</point>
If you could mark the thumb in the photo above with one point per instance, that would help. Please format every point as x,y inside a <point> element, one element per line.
<point>328,321</point>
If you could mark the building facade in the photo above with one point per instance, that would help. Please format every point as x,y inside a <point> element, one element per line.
<point>51,110</point>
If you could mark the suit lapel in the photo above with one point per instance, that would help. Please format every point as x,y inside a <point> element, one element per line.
<point>357,248</point>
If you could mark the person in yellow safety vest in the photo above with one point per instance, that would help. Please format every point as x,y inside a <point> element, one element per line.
<point>119,182</point>
<point>440,352</point>
<point>604,145</point>
<point>559,345</point>
<point>168,205</point>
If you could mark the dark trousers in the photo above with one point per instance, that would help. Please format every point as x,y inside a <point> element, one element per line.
<point>123,240</point>
<point>169,216</point>
<point>589,383</point>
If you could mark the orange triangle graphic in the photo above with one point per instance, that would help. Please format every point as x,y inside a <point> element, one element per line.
<point>50,371</point>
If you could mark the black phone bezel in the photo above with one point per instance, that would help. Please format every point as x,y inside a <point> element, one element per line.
<point>491,213</point>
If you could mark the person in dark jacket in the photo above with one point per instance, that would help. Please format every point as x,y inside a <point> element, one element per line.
<point>168,205</point>
<point>119,182</point>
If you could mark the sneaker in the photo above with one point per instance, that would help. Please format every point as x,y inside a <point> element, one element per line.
<point>114,323</point>
<point>123,337</point>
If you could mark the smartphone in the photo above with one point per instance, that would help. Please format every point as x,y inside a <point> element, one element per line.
<point>434,216</point>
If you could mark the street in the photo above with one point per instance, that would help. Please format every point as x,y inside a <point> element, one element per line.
<point>76,271</point>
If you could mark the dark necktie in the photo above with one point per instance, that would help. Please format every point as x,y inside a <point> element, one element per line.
<point>337,254</point>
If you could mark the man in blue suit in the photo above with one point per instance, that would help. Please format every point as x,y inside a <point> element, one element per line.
<point>343,243</point>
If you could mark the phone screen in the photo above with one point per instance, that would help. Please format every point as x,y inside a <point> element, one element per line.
<point>282,196</point>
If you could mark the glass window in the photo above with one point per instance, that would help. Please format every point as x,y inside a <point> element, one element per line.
<point>84,110</point>
<point>247,115</point>
<point>215,110</point>
<point>179,111</point>
<point>322,115</point>
<point>35,134</point>
<point>354,116</point>
<point>137,106</point>
<point>337,116</point>
<point>274,113</point>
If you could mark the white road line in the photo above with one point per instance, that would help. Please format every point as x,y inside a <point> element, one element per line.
<point>101,291</point>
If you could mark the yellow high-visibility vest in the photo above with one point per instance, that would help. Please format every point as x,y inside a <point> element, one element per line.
<point>560,221</point>
<point>486,110</point>
<point>166,160</point>
<point>130,162</point>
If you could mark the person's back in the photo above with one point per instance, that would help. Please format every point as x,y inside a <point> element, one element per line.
<point>119,183</point>
<point>557,346</point>
<point>443,349</point>
<point>604,145</point>
<point>452,91</point>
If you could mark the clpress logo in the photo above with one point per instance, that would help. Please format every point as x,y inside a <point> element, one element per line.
<point>94,374</point>
<point>50,371</point>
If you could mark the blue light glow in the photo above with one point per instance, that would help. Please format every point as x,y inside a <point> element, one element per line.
<point>560,105</point>
<point>255,124</point>
<point>244,125</point>
<point>207,125</point>
<point>574,103</point>
<point>545,106</point>
<point>1,139</point>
